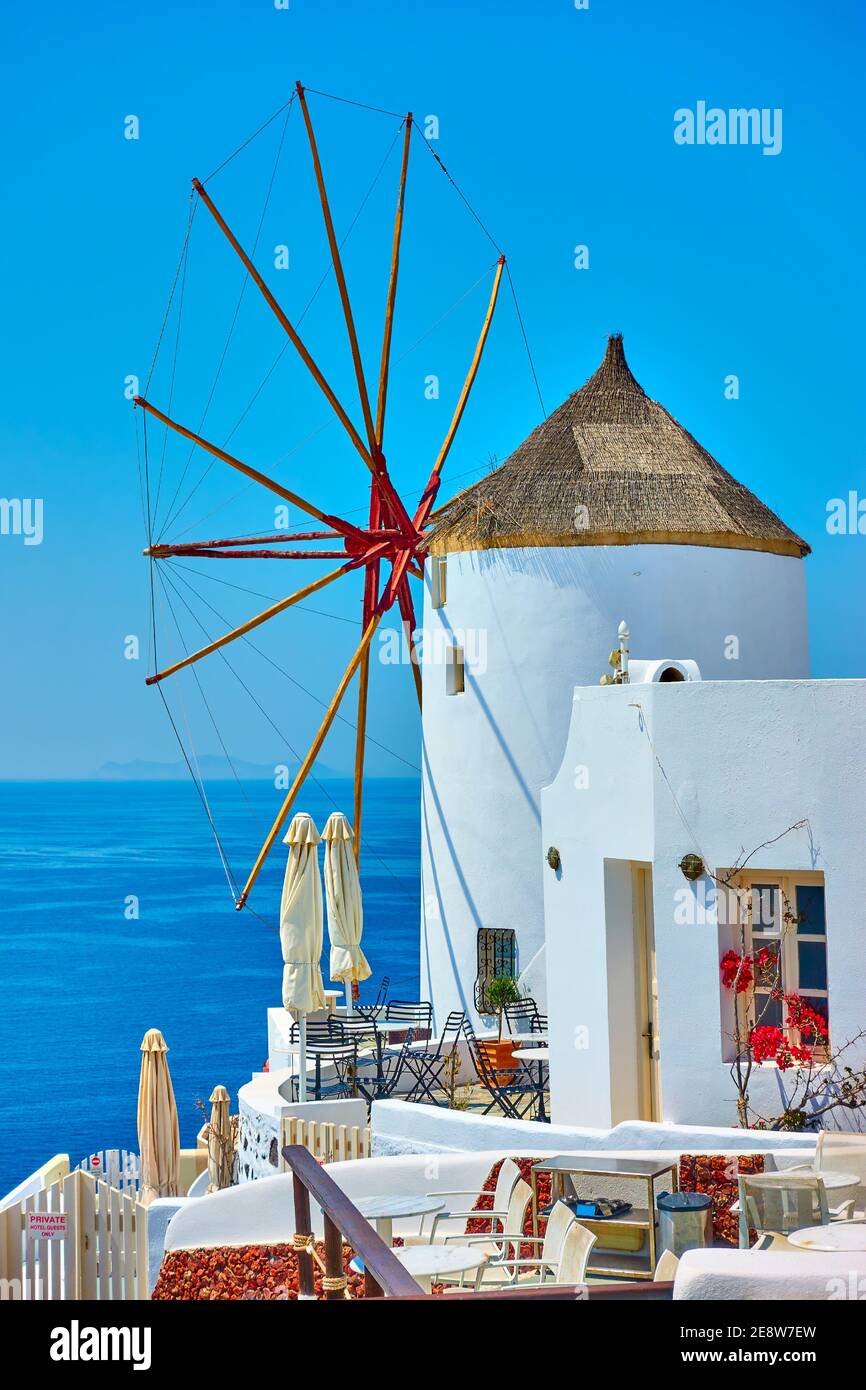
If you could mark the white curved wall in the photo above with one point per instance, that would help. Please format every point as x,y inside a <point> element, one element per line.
<point>538,622</point>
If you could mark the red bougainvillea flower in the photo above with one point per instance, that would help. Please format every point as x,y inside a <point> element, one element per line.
<point>731,963</point>
<point>805,1018</point>
<point>766,1043</point>
<point>769,1044</point>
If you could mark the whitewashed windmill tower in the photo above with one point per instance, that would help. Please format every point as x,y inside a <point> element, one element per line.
<point>609,510</point>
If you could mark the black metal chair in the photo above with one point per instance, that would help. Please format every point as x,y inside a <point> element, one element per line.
<point>417,1016</point>
<point>522,1016</point>
<point>374,1009</point>
<point>393,1065</point>
<point>379,1069</point>
<point>429,1067</point>
<point>329,1045</point>
<point>517,1096</point>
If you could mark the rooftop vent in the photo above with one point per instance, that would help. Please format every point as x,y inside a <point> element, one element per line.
<point>659,672</point>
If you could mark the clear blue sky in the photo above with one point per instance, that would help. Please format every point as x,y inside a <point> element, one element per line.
<point>558,124</point>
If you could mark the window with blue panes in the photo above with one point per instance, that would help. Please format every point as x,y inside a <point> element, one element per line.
<point>788,917</point>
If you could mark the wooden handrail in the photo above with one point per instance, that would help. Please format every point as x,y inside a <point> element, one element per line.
<point>384,1274</point>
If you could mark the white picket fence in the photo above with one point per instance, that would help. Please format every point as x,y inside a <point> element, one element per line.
<point>78,1238</point>
<point>329,1142</point>
<point>118,1167</point>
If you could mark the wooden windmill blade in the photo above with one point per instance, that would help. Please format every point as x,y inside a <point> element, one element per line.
<point>391,535</point>
<point>371,589</point>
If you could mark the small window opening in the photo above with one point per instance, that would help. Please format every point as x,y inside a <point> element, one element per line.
<point>497,955</point>
<point>438,581</point>
<point>454,672</point>
<point>670,673</point>
<point>785,916</point>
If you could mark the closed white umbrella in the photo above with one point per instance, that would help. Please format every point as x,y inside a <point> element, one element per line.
<point>345,912</point>
<point>301,932</point>
<point>220,1157</point>
<point>158,1130</point>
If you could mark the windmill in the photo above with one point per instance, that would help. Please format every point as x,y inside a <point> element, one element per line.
<point>389,550</point>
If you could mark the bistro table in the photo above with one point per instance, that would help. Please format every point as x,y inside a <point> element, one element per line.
<point>831,1177</point>
<point>539,1055</point>
<point>631,1224</point>
<point>380,1028</point>
<point>385,1210</point>
<point>844,1237</point>
<point>427,1263</point>
<point>844,1186</point>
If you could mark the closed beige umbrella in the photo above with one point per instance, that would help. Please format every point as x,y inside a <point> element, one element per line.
<point>158,1131</point>
<point>345,912</point>
<point>301,932</point>
<point>219,1141</point>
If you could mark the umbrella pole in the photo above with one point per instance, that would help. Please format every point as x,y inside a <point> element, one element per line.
<point>302,1060</point>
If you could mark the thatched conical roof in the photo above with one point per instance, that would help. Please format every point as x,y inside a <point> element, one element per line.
<point>610,467</point>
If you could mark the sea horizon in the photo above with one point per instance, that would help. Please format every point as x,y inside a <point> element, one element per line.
<point>118,918</point>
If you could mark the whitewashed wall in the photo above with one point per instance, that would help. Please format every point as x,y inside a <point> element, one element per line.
<point>407,1128</point>
<point>738,762</point>
<point>539,622</point>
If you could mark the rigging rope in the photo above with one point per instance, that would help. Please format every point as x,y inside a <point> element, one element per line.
<point>287,105</point>
<point>289,677</point>
<point>193,203</point>
<point>525,339</point>
<point>172,378</point>
<point>347,101</point>
<point>204,699</point>
<point>272,598</point>
<point>322,788</point>
<point>309,304</point>
<point>173,513</point>
<point>269,373</point>
<point>459,191</point>
<point>198,783</point>
<point>172,516</point>
<point>326,424</point>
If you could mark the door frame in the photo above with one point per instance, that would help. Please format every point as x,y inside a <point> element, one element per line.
<point>646,994</point>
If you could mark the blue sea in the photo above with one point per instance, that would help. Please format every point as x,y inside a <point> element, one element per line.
<point>82,979</point>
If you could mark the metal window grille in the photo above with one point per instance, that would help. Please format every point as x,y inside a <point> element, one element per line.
<point>497,955</point>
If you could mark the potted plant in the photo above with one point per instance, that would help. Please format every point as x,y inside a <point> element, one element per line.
<point>502,990</point>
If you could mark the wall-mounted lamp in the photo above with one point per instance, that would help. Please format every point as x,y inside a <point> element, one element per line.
<point>692,866</point>
<point>553,859</point>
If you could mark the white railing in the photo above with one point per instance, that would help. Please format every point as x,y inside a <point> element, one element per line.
<point>50,1172</point>
<point>329,1142</point>
<point>77,1239</point>
<point>120,1168</point>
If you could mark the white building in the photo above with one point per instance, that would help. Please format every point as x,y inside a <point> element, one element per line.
<point>609,510</point>
<point>767,774</point>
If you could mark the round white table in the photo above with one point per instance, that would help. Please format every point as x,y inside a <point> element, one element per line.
<point>833,1178</point>
<point>430,1263</point>
<point>845,1237</point>
<point>539,1055</point>
<point>384,1210</point>
<point>380,1029</point>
